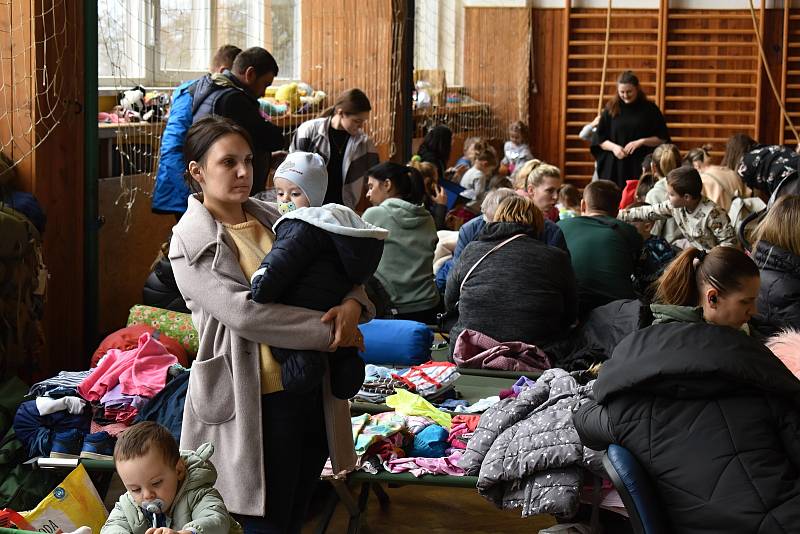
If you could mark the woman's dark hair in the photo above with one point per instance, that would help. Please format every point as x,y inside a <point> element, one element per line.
<point>407,181</point>
<point>737,146</point>
<point>647,164</point>
<point>614,103</point>
<point>438,141</point>
<point>697,155</point>
<point>646,183</point>
<point>202,136</point>
<point>686,181</point>
<point>351,102</point>
<point>724,268</point>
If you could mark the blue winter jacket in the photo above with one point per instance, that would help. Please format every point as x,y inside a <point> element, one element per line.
<point>171,191</point>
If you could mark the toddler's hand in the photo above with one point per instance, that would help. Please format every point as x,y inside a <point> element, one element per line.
<point>164,530</point>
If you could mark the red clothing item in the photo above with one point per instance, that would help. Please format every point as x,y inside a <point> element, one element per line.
<point>628,194</point>
<point>552,215</point>
<point>470,420</point>
<point>141,371</point>
<point>128,338</point>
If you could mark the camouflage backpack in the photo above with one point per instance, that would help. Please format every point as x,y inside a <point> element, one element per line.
<point>22,288</point>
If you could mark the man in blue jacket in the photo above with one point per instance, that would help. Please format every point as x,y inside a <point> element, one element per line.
<point>171,191</point>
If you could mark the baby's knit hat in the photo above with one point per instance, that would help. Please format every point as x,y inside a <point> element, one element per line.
<point>308,172</point>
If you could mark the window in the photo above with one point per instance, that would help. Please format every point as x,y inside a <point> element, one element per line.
<point>439,37</point>
<point>163,42</point>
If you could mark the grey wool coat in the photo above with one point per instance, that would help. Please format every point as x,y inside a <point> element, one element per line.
<point>526,451</point>
<point>223,402</point>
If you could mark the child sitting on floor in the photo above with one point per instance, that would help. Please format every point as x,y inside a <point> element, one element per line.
<point>170,490</point>
<point>319,254</point>
<point>655,256</point>
<point>703,223</point>
<point>516,150</point>
<point>569,202</point>
<point>477,178</point>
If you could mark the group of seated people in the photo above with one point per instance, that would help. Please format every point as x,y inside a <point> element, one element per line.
<point>524,258</point>
<point>699,398</point>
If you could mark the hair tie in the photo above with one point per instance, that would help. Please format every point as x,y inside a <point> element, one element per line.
<point>416,157</point>
<point>701,255</point>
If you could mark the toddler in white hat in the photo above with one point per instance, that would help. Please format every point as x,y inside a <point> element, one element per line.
<point>320,253</point>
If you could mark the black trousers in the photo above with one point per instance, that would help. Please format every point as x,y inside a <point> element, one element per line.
<point>295,450</point>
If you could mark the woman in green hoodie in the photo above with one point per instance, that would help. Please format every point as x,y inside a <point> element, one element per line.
<point>718,287</point>
<point>406,268</point>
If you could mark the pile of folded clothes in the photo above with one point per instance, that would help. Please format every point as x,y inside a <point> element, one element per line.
<point>80,413</point>
<point>434,381</point>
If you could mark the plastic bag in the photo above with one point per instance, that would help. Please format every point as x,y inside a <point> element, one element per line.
<point>74,503</point>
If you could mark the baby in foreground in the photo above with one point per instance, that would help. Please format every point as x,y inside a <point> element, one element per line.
<point>169,491</point>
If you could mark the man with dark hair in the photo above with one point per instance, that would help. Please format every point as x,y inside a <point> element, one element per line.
<point>234,94</point>
<point>170,191</point>
<point>604,250</point>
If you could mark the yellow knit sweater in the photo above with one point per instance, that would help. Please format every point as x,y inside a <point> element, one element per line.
<point>254,241</point>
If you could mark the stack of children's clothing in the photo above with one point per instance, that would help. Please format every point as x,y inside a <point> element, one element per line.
<point>79,413</point>
<point>434,381</point>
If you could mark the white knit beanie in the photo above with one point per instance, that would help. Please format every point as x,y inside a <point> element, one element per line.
<point>307,171</point>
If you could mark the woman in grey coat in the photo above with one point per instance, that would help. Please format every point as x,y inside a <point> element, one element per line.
<point>272,443</point>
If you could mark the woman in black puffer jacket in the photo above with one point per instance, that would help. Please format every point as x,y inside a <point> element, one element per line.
<point>711,414</point>
<point>777,254</point>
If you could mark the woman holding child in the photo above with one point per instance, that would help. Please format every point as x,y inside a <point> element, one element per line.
<point>271,443</point>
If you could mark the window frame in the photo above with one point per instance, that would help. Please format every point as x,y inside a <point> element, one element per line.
<point>148,52</point>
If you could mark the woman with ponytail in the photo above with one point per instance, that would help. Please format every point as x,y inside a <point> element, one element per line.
<point>397,193</point>
<point>718,287</point>
<point>338,136</point>
<point>710,413</point>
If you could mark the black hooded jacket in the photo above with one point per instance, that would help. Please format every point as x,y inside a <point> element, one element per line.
<point>779,297</point>
<point>714,418</point>
<point>313,264</point>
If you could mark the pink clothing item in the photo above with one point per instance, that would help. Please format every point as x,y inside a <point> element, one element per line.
<point>141,371</point>
<point>478,351</point>
<point>115,429</point>
<point>428,466</point>
<point>456,431</point>
<point>786,346</point>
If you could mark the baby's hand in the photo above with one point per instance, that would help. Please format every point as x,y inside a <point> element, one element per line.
<point>165,530</point>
